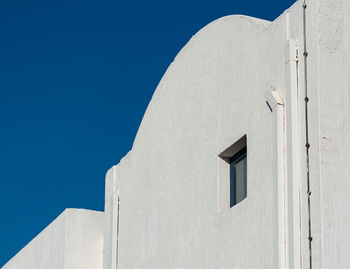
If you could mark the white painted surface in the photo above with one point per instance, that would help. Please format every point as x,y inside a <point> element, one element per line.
<point>73,241</point>
<point>84,239</point>
<point>293,98</point>
<point>111,219</point>
<point>330,128</point>
<point>210,96</point>
<point>277,106</point>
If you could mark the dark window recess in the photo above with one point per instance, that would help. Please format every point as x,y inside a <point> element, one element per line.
<point>232,175</point>
<point>238,177</point>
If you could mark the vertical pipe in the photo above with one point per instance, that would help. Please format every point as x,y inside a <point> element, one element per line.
<point>280,129</point>
<point>276,106</point>
<point>117,235</point>
<point>293,156</point>
<point>111,214</point>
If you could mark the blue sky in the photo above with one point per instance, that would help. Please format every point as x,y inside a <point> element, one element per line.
<point>75,79</point>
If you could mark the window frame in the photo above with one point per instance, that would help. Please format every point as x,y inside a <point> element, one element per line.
<point>233,154</point>
<point>239,156</point>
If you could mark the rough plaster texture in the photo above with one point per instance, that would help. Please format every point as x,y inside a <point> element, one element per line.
<point>210,96</point>
<point>331,127</point>
<point>74,240</point>
<point>161,204</point>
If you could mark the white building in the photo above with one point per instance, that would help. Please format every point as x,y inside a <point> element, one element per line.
<point>242,159</point>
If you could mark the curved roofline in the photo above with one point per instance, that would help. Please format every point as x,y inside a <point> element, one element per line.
<point>241,16</point>
<point>259,23</point>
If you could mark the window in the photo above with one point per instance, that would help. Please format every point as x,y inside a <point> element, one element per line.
<point>232,175</point>
<point>238,177</point>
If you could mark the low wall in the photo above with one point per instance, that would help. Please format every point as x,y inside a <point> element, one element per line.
<point>73,240</point>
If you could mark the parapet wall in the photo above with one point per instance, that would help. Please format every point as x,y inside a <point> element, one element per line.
<point>73,240</point>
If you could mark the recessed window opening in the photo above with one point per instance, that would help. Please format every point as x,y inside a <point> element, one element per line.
<point>238,177</point>
<point>232,175</point>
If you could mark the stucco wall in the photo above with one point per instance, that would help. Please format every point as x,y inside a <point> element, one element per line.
<point>161,205</point>
<point>74,240</point>
<point>211,95</point>
<point>329,21</point>
<point>46,250</point>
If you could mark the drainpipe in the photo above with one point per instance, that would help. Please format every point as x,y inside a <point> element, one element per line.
<point>276,106</point>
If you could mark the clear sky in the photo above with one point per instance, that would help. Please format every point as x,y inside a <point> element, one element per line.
<point>75,79</point>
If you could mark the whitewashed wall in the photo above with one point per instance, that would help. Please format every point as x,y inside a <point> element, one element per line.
<point>329,52</point>
<point>73,241</point>
<point>161,199</point>
<point>211,95</point>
